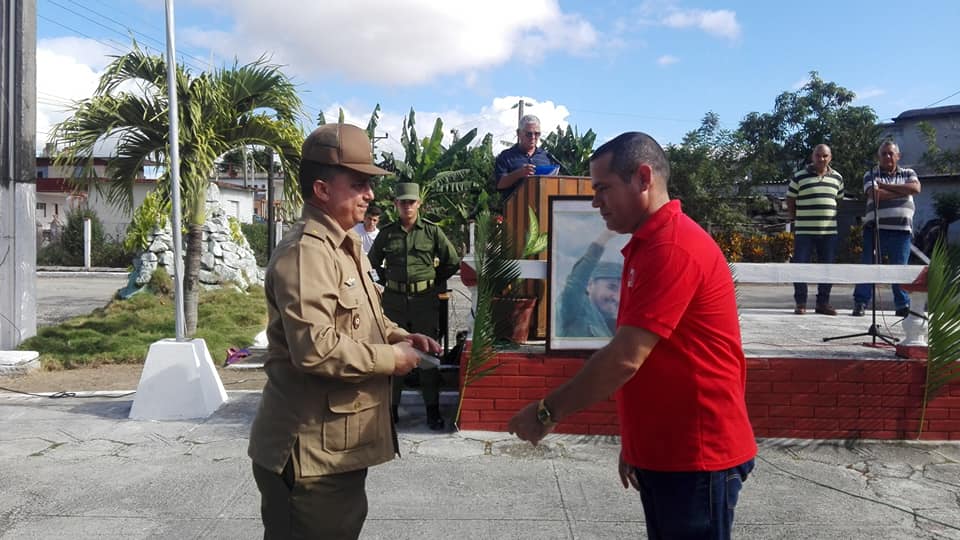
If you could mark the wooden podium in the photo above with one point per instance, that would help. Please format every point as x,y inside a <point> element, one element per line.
<point>535,192</point>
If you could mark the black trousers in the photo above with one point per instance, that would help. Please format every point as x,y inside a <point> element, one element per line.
<point>294,507</point>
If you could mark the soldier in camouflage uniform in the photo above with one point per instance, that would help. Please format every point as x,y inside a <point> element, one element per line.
<point>414,259</point>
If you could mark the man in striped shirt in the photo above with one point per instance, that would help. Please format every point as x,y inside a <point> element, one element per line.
<point>812,202</point>
<point>893,188</point>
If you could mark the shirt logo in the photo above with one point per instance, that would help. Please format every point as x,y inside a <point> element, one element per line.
<point>631,278</point>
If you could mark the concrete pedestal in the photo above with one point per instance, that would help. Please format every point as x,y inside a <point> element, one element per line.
<point>19,362</point>
<point>179,381</point>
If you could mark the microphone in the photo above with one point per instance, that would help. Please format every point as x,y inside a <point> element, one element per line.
<point>563,167</point>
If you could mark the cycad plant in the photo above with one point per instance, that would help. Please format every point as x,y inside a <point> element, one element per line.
<point>943,288</point>
<point>496,269</point>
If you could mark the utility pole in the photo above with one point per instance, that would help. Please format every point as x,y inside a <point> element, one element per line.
<point>271,213</point>
<point>373,143</point>
<point>18,177</point>
<point>519,107</point>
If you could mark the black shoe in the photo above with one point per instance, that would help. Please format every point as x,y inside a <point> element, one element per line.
<point>902,312</point>
<point>434,419</point>
<point>859,310</point>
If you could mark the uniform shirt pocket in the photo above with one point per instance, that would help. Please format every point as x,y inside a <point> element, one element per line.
<point>350,423</point>
<point>348,310</point>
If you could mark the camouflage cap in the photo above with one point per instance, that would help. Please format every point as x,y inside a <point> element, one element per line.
<point>407,191</point>
<point>607,270</point>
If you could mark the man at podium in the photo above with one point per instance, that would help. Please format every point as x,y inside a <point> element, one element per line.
<point>520,160</point>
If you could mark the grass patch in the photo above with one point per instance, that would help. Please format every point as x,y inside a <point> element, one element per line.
<point>122,332</point>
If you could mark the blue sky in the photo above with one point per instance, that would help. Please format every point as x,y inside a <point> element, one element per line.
<point>607,65</point>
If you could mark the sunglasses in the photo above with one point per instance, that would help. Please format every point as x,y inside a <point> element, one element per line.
<point>531,134</point>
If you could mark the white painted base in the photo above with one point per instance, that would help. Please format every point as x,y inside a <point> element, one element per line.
<point>19,362</point>
<point>260,341</point>
<point>178,382</point>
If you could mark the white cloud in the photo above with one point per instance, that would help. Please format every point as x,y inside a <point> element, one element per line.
<point>400,42</point>
<point>869,92</point>
<point>720,23</point>
<point>497,118</point>
<point>68,69</point>
<point>667,60</point>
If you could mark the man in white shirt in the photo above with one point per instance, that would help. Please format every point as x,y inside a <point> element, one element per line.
<point>367,229</point>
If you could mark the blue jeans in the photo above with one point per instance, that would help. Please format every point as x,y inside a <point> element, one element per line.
<point>804,246</point>
<point>894,249</point>
<point>691,505</point>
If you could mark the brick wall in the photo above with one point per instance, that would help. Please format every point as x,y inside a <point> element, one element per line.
<point>798,398</point>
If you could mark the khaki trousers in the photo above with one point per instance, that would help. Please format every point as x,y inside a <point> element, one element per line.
<point>293,507</point>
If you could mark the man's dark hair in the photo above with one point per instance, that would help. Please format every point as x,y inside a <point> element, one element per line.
<point>311,171</point>
<point>374,210</point>
<point>631,149</point>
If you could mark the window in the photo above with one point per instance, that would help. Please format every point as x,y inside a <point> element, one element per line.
<point>234,208</point>
<point>41,209</point>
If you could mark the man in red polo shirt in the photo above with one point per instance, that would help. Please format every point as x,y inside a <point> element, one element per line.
<point>675,364</point>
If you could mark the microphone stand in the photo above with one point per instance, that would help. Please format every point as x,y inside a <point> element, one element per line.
<point>873,331</point>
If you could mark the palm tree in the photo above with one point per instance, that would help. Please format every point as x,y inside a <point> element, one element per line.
<point>219,111</point>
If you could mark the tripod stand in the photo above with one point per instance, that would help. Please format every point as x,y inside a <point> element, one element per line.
<point>873,331</point>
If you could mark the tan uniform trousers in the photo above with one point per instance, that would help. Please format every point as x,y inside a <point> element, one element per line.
<point>330,507</point>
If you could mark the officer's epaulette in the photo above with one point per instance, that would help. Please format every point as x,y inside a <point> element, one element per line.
<point>428,222</point>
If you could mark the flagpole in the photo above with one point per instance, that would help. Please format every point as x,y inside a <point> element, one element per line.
<point>174,141</point>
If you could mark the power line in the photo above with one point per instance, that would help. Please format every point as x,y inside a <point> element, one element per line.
<point>942,100</point>
<point>111,45</point>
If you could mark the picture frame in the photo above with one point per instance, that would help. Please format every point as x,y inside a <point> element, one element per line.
<point>581,313</point>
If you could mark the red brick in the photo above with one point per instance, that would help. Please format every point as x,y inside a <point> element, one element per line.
<point>469,416</point>
<point>871,374</point>
<point>757,363</point>
<point>524,381</point>
<point>542,368</point>
<point>768,399</point>
<point>931,413</point>
<point>791,411</point>
<point>901,401</point>
<point>487,426</point>
<point>474,404</point>
<point>553,382</point>
<point>754,387</point>
<point>901,424</point>
<point>531,393</point>
<point>916,389</point>
<point>783,422</point>
<point>779,432</point>
<point>881,412</point>
<point>493,393</point>
<point>814,370</point>
<point>955,435</point>
<point>508,368</point>
<point>904,372</point>
<point>859,400</point>
<point>948,402</point>
<point>572,368</point>
<point>836,412</point>
<point>591,418</point>
<point>879,434</point>
<point>841,388</point>
<point>795,388</point>
<point>851,373</point>
<point>884,389</point>
<point>863,424</point>
<point>938,424</point>
<point>768,375</point>
<point>813,399</point>
<point>935,436</point>
<point>503,417</point>
<point>818,424</point>
<point>510,404</point>
<point>488,380</point>
<point>954,413</point>
<point>757,411</point>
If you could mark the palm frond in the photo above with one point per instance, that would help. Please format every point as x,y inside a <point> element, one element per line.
<point>496,269</point>
<point>536,241</point>
<point>943,286</point>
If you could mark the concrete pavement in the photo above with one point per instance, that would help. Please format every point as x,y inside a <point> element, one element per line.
<point>78,468</point>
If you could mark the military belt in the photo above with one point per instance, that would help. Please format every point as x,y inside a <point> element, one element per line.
<point>415,287</point>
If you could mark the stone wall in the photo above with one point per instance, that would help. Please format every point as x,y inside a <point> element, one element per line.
<point>222,260</point>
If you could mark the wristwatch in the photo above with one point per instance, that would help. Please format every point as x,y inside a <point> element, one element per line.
<point>544,416</point>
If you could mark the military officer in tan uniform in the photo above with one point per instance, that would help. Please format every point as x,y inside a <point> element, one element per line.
<point>325,413</point>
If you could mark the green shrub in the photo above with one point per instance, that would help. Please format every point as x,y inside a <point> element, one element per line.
<point>72,238</point>
<point>256,234</point>
<point>151,213</point>
<point>161,282</point>
<point>113,254</point>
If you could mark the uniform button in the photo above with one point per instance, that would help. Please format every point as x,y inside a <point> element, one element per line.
<point>356,405</point>
<point>356,322</point>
